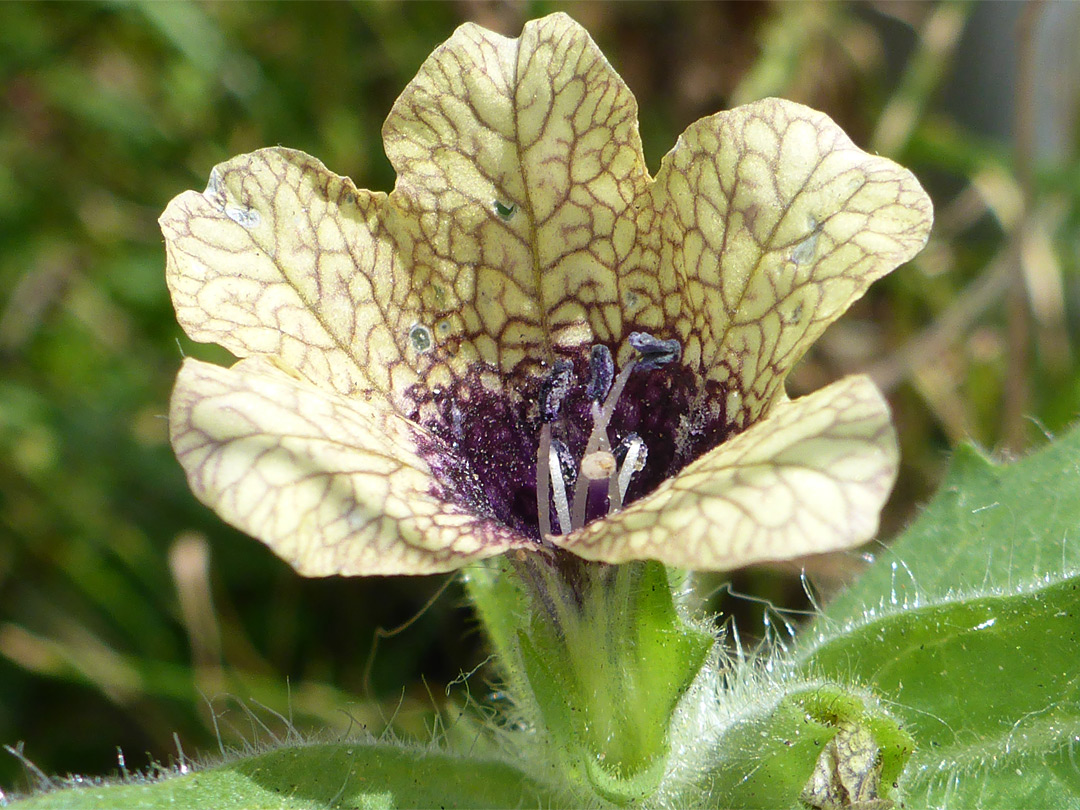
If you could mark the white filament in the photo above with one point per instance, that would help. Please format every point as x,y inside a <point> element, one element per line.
<point>543,491</point>
<point>562,505</point>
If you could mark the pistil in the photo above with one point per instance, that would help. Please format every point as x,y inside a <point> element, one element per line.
<point>598,440</point>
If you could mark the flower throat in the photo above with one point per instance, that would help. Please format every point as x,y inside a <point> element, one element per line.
<point>570,492</point>
<point>547,455</point>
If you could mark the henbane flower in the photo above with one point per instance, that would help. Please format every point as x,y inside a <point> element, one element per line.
<point>531,342</point>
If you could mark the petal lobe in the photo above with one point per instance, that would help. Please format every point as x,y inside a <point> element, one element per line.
<point>334,486</point>
<point>810,478</point>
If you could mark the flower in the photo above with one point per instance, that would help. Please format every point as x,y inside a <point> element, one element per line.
<point>529,311</point>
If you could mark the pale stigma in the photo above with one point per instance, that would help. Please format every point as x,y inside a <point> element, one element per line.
<point>598,466</point>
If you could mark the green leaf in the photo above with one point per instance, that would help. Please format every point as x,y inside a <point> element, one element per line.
<point>339,775</point>
<point>989,527</point>
<point>983,684</point>
<point>968,626</point>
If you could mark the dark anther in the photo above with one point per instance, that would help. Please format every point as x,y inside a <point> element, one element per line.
<point>601,373</point>
<point>553,390</point>
<point>566,463</point>
<point>654,352</point>
<point>620,450</point>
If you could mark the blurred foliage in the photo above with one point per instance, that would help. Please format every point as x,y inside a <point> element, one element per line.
<point>131,618</point>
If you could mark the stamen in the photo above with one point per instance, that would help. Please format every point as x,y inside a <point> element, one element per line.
<point>601,373</point>
<point>598,440</point>
<point>654,352</point>
<point>562,506</point>
<point>543,480</point>
<point>633,461</point>
<point>553,390</point>
<point>566,461</point>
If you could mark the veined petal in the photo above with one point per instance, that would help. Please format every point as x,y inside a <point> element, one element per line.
<point>512,230</point>
<point>519,163</point>
<point>332,484</point>
<point>777,222</point>
<point>811,477</point>
<point>279,256</point>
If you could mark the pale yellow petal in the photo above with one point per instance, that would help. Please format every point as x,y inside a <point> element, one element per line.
<point>281,257</point>
<point>520,222</point>
<point>523,229</point>
<point>811,477</point>
<point>776,222</point>
<point>519,164</point>
<point>333,485</point>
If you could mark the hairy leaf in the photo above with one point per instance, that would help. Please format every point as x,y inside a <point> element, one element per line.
<point>969,626</point>
<point>311,777</point>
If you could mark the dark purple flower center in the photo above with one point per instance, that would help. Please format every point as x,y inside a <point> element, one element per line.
<point>661,416</point>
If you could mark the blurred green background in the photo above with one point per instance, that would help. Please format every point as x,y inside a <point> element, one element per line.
<point>132,620</point>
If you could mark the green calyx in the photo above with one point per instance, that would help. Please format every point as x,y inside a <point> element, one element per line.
<point>603,658</point>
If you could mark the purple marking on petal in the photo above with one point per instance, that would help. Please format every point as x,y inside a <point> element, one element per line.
<point>457,481</point>
<point>496,439</point>
<point>659,405</point>
<point>485,455</point>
